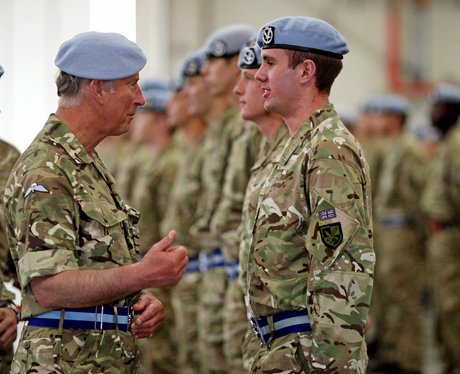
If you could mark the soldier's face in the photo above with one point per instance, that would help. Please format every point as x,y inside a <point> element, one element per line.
<point>221,75</point>
<point>199,96</point>
<point>249,95</point>
<point>177,109</point>
<point>120,105</point>
<point>279,82</point>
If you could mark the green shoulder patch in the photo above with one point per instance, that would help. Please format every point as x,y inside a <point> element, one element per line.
<point>331,235</point>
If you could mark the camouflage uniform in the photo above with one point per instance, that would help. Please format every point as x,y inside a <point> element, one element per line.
<point>217,147</point>
<point>8,157</point>
<point>224,226</point>
<point>63,213</point>
<point>260,170</point>
<point>311,251</point>
<point>6,300</point>
<point>181,215</point>
<point>441,203</point>
<point>151,193</point>
<point>129,170</point>
<point>400,229</point>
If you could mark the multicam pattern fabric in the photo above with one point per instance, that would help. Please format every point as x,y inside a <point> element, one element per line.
<point>8,156</point>
<point>259,171</point>
<point>63,213</point>
<point>216,146</point>
<point>400,230</point>
<point>441,203</point>
<point>292,267</point>
<point>219,141</point>
<point>224,224</point>
<point>46,350</point>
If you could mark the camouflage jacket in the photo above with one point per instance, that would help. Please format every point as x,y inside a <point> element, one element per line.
<point>312,242</point>
<point>8,157</point>
<point>441,200</point>
<point>151,192</point>
<point>227,217</point>
<point>402,180</point>
<point>216,147</point>
<point>63,212</point>
<point>268,156</point>
<point>181,212</point>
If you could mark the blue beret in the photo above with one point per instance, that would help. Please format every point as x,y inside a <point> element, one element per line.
<point>303,34</point>
<point>446,93</point>
<point>250,55</point>
<point>227,41</point>
<point>102,56</point>
<point>192,64</point>
<point>387,103</point>
<point>1,70</point>
<point>157,92</point>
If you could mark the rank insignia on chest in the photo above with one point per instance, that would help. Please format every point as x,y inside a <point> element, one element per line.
<point>331,235</point>
<point>327,214</point>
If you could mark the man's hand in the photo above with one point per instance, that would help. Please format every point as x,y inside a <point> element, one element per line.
<point>163,264</point>
<point>150,316</point>
<point>8,329</point>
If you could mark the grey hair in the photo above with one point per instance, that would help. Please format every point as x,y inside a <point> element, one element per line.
<point>70,88</point>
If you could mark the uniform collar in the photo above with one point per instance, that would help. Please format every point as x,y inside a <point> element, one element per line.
<point>61,134</point>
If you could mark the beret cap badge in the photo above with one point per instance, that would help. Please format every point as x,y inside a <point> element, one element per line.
<point>219,48</point>
<point>192,68</point>
<point>249,56</point>
<point>269,35</point>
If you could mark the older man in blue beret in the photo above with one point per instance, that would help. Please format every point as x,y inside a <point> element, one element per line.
<point>73,239</point>
<point>311,260</point>
<point>441,202</point>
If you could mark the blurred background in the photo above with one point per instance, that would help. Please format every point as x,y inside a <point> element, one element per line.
<point>399,46</point>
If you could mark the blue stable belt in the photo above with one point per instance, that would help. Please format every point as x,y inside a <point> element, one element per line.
<point>283,323</point>
<point>101,317</point>
<point>211,260</point>
<point>232,267</point>
<point>193,265</point>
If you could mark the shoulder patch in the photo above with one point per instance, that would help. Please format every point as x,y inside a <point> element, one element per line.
<point>331,235</point>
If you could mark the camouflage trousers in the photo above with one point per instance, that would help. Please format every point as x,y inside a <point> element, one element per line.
<point>184,300</point>
<point>251,346</point>
<point>235,326</point>
<point>444,269</point>
<point>6,357</point>
<point>290,354</point>
<point>48,350</point>
<point>158,353</point>
<point>210,321</point>
<point>400,273</point>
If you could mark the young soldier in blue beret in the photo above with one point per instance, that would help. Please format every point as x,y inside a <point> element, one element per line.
<point>73,239</point>
<point>441,202</point>
<point>311,261</point>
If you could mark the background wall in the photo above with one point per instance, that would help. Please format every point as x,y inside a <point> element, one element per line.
<point>402,45</point>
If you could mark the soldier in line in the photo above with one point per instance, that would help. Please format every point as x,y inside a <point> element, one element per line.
<point>441,202</point>
<point>73,239</point>
<point>400,243</point>
<point>275,133</point>
<point>182,204</point>
<point>139,150</point>
<point>311,259</point>
<point>9,315</point>
<point>221,72</point>
<point>225,221</point>
<point>150,194</point>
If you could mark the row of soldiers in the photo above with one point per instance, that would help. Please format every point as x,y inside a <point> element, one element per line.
<point>194,163</point>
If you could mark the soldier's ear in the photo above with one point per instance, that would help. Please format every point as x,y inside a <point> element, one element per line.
<point>307,70</point>
<point>98,90</point>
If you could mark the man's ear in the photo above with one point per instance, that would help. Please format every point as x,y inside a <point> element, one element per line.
<point>308,70</point>
<point>98,90</point>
